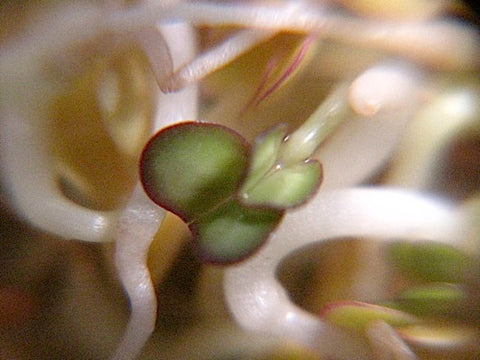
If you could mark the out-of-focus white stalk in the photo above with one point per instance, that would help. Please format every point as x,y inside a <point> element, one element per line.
<point>434,42</point>
<point>26,93</point>
<point>31,183</point>
<point>450,114</point>
<point>216,58</point>
<point>389,86</point>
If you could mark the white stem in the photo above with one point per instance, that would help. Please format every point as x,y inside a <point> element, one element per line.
<point>26,93</point>
<point>176,107</point>
<point>182,105</point>
<point>156,49</point>
<point>291,15</point>
<point>433,42</point>
<point>260,304</point>
<point>216,58</point>
<point>30,179</point>
<point>137,226</point>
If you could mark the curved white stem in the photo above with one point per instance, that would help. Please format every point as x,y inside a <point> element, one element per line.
<point>157,52</point>
<point>182,105</point>
<point>137,225</point>
<point>26,94</point>
<point>30,179</point>
<point>259,303</point>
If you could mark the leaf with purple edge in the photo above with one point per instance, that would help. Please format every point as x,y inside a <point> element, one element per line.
<point>230,199</point>
<point>356,315</point>
<point>233,231</point>
<point>195,170</point>
<point>190,168</point>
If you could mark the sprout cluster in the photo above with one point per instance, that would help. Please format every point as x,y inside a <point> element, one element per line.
<point>282,124</point>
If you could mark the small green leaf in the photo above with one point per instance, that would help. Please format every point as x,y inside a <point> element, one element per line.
<point>436,299</point>
<point>264,156</point>
<point>233,231</point>
<point>429,262</point>
<point>191,167</point>
<point>356,316</point>
<point>285,187</point>
<point>270,183</point>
